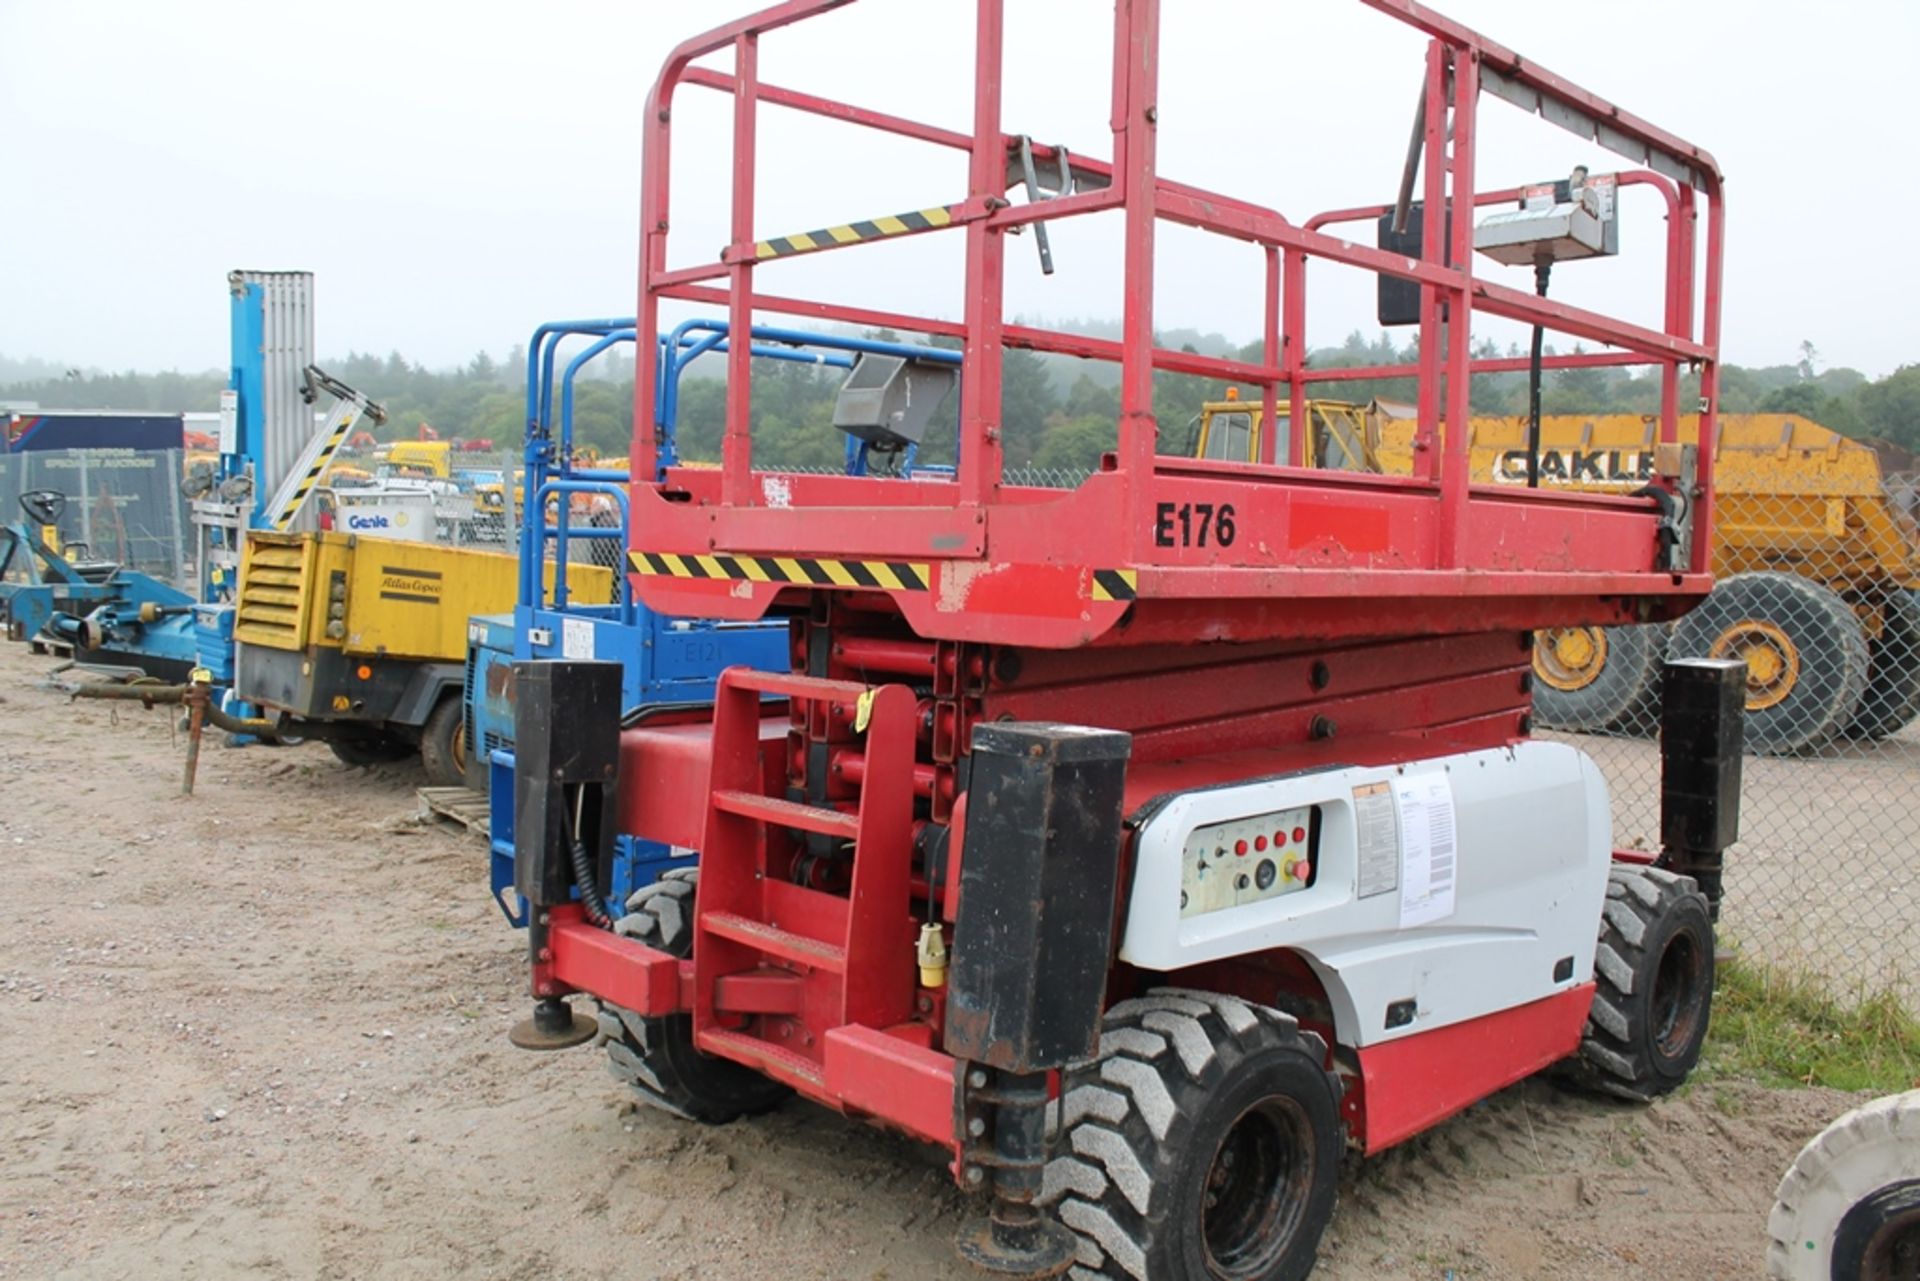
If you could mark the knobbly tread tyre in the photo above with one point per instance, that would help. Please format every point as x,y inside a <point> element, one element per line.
<point>1141,1123</point>
<point>1832,649</point>
<point>1621,697</point>
<point>1864,1164</point>
<point>1625,1050</point>
<point>1892,699</point>
<point>656,1056</point>
<point>440,748</point>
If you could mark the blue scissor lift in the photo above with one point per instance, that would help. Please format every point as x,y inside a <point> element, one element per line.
<point>669,665</point>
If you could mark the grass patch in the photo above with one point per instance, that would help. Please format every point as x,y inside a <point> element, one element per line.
<point>1786,1028</point>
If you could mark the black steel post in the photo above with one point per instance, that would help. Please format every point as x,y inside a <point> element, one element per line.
<point>1542,271</point>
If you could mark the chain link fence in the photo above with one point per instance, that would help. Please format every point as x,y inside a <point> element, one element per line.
<point>1817,561</point>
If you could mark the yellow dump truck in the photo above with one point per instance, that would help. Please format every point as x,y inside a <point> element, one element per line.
<point>363,641</point>
<point>1817,567</point>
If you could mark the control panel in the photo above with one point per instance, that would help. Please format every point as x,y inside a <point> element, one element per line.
<point>1248,860</point>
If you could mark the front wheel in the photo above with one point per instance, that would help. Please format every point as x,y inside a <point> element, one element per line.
<point>1850,1205</point>
<point>1204,1144</point>
<point>1653,974</point>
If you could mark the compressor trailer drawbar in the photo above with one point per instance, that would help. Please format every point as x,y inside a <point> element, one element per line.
<point>1146,844</point>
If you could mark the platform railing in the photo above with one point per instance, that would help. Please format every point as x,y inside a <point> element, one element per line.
<point>1460,65</point>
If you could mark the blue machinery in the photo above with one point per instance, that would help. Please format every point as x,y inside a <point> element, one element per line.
<point>668,664</point>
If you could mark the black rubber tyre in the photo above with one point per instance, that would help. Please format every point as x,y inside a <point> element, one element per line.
<point>1849,1208</point>
<point>443,744</point>
<point>656,1056</point>
<point>1593,679</point>
<point>1654,975</point>
<point>374,748</point>
<point>1893,679</point>
<point>1203,1144</point>
<point>1806,656</point>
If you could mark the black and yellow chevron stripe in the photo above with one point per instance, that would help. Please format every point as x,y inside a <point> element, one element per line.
<point>284,517</point>
<point>808,571</point>
<point>1115,584</point>
<point>854,232</point>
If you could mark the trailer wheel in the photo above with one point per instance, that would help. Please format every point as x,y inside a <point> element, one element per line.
<point>443,743</point>
<point>1806,656</point>
<point>1849,1207</point>
<point>656,1056</point>
<point>1203,1143</point>
<point>1653,972</point>
<point>1893,679</point>
<point>373,748</point>
<point>1590,679</point>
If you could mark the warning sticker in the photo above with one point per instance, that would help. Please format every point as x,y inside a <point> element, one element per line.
<point>1425,803</point>
<point>1379,837</point>
<point>576,638</point>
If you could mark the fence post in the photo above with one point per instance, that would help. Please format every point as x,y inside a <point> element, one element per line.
<point>1702,702</point>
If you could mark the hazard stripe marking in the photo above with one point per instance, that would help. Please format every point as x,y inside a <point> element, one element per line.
<point>808,571</point>
<point>850,233</point>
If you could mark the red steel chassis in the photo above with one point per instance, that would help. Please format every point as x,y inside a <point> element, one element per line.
<point>1384,609</point>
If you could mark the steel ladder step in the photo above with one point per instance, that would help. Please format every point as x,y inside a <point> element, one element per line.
<point>773,941</point>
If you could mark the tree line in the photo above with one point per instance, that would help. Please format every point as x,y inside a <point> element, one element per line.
<point>1057,412</point>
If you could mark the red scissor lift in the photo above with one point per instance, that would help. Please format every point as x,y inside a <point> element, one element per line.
<point>914,883</point>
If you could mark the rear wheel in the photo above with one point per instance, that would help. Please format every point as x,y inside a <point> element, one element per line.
<point>1653,973</point>
<point>1204,1144</point>
<point>1589,679</point>
<point>1849,1208</point>
<point>443,744</point>
<point>1806,656</point>
<point>1893,680</point>
<point>656,1056</point>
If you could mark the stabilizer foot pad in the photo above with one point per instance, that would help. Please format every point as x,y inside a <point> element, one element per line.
<point>529,1035</point>
<point>1045,1249</point>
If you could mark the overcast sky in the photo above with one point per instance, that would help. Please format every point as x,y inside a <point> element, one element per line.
<point>455,174</point>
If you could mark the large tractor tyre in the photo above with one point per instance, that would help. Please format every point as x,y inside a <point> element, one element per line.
<point>1806,656</point>
<point>656,1056</point>
<point>1203,1144</point>
<point>1591,679</point>
<point>1653,975</point>
<point>1893,678</point>
<point>443,744</point>
<point>1849,1208</point>
<point>372,748</point>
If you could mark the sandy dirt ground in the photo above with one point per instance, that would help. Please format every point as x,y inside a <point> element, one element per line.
<point>262,1032</point>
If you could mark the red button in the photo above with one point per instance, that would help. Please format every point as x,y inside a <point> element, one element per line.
<point>1240,847</point>
<point>1304,871</point>
<point>1299,833</point>
<point>1259,842</point>
<point>1279,839</point>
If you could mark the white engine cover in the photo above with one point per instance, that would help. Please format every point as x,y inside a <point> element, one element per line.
<point>1441,890</point>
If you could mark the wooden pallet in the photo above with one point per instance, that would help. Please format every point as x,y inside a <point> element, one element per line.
<point>49,647</point>
<point>457,807</point>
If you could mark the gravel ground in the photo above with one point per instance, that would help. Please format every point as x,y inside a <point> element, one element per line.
<point>262,1031</point>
